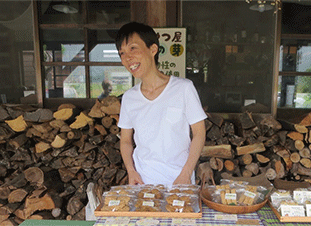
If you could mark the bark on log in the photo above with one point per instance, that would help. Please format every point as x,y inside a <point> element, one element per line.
<point>250,149</point>
<point>218,151</point>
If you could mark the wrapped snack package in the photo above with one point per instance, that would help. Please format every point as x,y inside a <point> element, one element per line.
<point>117,203</point>
<point>150,193</point>
<point>183,203</point>
<point>155,205</point>
<point>185,189</point>
<point>278,196</point>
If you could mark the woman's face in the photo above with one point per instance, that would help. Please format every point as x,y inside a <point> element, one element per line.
<point>137,58</point>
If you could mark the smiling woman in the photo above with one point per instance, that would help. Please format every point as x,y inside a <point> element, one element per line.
<point>158,113</point>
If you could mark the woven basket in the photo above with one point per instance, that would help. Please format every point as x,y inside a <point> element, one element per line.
<point>206,198</point>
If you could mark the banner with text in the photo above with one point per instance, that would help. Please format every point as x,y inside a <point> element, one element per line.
<point>172,56</point>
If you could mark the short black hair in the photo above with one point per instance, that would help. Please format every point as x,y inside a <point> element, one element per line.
<point>145,32</point>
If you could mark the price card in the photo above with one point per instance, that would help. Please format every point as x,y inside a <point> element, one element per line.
<point>292,211</point>
<point>230,196</point>
<point>148,203</point>
<point>117,221</point>
<point>181,221</point>
<point>250,194</point>
<point>149,195</point>
<point>178,203</point>
<point>147,221</point>
<point>114,203</point>
<point>226,217</point>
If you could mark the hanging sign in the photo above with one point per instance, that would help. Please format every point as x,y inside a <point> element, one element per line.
<point>172,56</point>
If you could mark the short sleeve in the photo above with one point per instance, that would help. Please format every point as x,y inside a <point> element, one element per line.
<point>194,109</point>
<point>124,119</point>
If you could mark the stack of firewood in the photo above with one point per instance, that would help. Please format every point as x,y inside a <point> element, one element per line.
<point>253,145</point>
<point>48,158</point>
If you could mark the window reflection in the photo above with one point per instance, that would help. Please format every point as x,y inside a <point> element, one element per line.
<point>63,45</point>
<point>65,82</point>
<point>117,77</point>
<point>294,91</point>
<point>104,53</point>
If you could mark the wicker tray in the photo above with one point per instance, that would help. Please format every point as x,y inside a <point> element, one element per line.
<point>289,219</point>
<point>206,198</point>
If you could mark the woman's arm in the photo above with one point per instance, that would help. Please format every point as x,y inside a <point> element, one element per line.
<point>196,146</point>
<point>126,147</point>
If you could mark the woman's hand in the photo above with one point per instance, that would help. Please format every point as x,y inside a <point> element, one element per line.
<point>183,178</point>
<point>134,178</point>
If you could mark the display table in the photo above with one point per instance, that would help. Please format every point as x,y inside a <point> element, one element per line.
<point>209,217</point>
<point>264,216</point>
<point>56,223</point>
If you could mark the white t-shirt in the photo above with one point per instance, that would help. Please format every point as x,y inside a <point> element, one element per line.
<point>161,128</point>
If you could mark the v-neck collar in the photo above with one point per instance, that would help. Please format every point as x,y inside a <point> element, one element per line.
<point>159,96</point>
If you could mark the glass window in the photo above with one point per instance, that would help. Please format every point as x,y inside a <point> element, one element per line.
<point>113,80</point>
<point>230,58</point>
<point>65,82</point>
<point>60,12</point>
<point>295,55</point>
<point>294,91</point>
<point>102,46</point>
<point>63,45</point>
<point>109,12</point>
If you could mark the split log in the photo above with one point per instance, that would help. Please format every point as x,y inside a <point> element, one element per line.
<point>18,141</point>
<point>95,111</point>
<point>81,121</point>
<point>270,174</point>
<point>34,175</point>
<point>114,129</point>
<point>230,165</point>
<point>33,204</point>
<point>17,195</point>
<point>111,105</point>
<point>40,115</point>
<point>218,151</point>
<point>246,120</point>
<point>18,124</point>
<point>305,162</point>
<point>43,127</point>
<point>107,121</point>
<point>214,133</point>
<point>253,167</point>
<point>295,157</point>
<point>250,149</point>
<point>246,173</point>
<point>215,119</point>
<point>262,158</point>
<point>208,124</point>
<point>299,144</point>
<point>74,134</point>
<point>74,205</point>
<point>305,153</point>
<point>236,140</point>
<point>303,170</point>
<point>59,141</point>
<point>245,159</point>
<point>42,147</point>
<point>295,135</point>
<point>101,129</point>
<point>64,114</point>
<point>290,126</point>
<point>65,106</point>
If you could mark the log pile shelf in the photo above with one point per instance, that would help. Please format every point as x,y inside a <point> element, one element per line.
<point>48,158</point>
